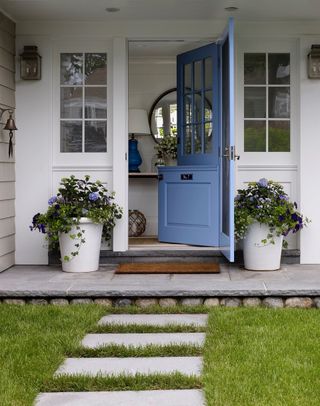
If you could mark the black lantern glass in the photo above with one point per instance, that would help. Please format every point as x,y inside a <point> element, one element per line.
<point>314,62</point>
<point>30,63</point>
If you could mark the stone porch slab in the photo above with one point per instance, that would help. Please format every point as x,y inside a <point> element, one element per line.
<point>131,366</point>
<point>199,320</point>
<point>142,340</point>
<point>187,397</point>
<point>45,281</point>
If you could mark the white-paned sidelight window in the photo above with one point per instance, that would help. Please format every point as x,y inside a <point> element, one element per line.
<point>83,102</point>
<point>267,102</point>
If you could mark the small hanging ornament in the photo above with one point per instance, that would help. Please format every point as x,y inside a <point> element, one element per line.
<point>10,126</point>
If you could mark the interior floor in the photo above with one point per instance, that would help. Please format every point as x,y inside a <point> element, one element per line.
<point>152,243</point>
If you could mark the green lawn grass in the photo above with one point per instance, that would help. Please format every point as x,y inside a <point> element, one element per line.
<point>122,351</point>
<point>33,342</point>
<point>262,357</point>
<point>251,356</point>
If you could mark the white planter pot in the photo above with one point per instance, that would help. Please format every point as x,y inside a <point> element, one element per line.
<point>87,259</point>
<point>257,255</point>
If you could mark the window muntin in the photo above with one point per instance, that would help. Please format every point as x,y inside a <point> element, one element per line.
<point>83,102</point>
<point>267,102</point>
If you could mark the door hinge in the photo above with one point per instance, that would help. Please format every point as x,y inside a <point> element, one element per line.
<point>126,156</point>
<point>234,155</point>
<point>230,153</point>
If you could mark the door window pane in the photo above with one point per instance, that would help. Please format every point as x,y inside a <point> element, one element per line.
<point>208,138</point>
<point>279,102</point>
<point>96,102</point>
<point>254,69</point>
<point>95,136</point>
<point>196,135</point>
<point>279,69</point>
<point>197,113</point>
<point>279,136</point>
<point>254,136</point>
<point>187,140</point>
<point>197,75</point>
<point>96,69</point>
<point>71,102</point>
<point>255,102</point>
<point>188,78</point>
<point>208,73</point>
<point>71,136</point>
<point>208,103</point>
<point>197,144</point>
<point>188,108</point>
<point>71,69</point>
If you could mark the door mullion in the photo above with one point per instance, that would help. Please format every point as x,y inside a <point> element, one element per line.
<point>203,87</point>
<point>193,109</point>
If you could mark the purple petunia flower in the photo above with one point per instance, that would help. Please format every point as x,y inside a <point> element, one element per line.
<point>94,196</point>
<point>281,218</point>
<point>283,197</point>
<point>52,200</point>
<point>263,182</point>
<point>42,228</point>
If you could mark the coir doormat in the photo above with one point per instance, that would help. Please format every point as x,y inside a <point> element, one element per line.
<point>169,267</point>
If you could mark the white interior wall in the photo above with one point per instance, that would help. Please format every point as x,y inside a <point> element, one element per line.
<point>148,78</point>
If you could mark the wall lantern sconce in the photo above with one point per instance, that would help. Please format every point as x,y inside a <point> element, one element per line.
<point>30,63</point>
<point>314,62</point>
<point>10,126</point>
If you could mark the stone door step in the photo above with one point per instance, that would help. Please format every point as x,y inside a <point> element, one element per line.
<point>131,366</point>
<point>156,319</point>
<point>137,340</point>
<point>143,398</point>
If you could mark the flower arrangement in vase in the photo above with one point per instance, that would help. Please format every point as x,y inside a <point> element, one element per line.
<point>167,149</point>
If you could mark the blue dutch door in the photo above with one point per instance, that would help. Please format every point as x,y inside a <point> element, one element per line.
<point>196,196</point>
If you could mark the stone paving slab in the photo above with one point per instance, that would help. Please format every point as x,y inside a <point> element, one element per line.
<point>130,398</point>
<point>156,319</point>
<point>44,281</point>
<point>137,340</point>
<point>131,366</point>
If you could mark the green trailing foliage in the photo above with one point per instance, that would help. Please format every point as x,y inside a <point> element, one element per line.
<point>77,198</point>
<point>267,203</point>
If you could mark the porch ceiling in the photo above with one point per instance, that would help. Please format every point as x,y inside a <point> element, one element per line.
<point>131,10</point>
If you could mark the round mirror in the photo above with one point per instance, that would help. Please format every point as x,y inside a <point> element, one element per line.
<point>163,115</point>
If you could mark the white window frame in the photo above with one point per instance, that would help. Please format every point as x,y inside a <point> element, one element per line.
<point>75,159</point>
<point>267,46</point>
